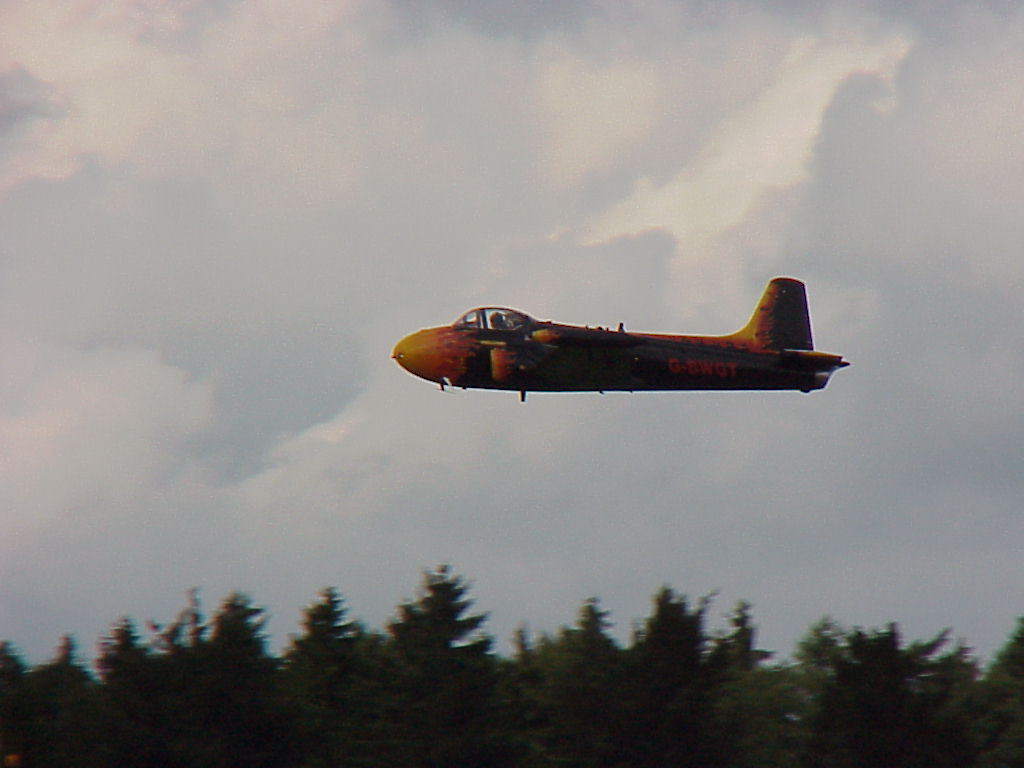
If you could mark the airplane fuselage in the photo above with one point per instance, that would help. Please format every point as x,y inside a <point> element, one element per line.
<point>497,348</point>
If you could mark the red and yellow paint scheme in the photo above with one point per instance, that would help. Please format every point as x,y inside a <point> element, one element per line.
<point>498,348</point>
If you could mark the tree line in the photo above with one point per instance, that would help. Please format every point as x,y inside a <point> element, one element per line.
<point>430,690</point>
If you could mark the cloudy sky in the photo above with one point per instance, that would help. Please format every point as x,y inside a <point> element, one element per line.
<point>217,216</point>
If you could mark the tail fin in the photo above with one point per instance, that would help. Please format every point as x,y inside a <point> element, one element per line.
<point>781,320</point>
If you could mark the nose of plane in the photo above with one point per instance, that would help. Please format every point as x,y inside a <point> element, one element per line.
<point>418,353</point>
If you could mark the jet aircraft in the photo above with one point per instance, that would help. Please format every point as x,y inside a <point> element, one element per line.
<point>499,348</point>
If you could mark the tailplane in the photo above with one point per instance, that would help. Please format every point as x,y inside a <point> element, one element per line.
<point>781,320</point>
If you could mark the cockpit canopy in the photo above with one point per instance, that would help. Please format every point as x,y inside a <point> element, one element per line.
<point>494,319</point>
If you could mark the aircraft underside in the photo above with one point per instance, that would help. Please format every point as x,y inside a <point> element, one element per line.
<point>648,368</point>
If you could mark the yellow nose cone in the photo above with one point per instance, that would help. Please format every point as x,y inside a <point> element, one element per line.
<point>419,354</point>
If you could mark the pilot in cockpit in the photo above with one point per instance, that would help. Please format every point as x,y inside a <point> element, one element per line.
<point>505,320</point>
<point>493,319</point>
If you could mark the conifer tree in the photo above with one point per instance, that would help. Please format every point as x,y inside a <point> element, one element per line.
<point>14,717</point>
<point>520,678</point>
<point>996,707</point>
<point>445,710</point>
<point>672,684</point>
<point>135,696</point>
<point>64,714</point>
<point>579,695</point>
<point>236,690</point>
<point>759,711</point>
<point>202,694</point>
<point>319,683</point>
<point>885,705</point>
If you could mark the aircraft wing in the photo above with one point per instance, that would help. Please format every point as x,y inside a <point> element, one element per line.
<point>574,336</point>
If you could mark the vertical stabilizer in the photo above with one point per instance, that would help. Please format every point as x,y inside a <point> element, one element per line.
<point>781,320</point>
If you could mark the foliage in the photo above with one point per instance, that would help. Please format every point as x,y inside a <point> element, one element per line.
<point>445,711</point>
<point>996,706</point>
<point>430,690</point>
<point>885,705</point>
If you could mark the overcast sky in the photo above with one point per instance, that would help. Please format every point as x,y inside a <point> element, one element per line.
<point>217,217</point>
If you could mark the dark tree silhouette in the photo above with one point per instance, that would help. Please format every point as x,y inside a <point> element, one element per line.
<point>430,691</point>
<point>446,709</point>
<point>886,705</point>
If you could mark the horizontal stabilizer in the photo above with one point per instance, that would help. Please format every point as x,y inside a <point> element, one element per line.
<point>809,360</point>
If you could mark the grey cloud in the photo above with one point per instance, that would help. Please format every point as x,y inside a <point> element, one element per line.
<point>258,266</point>
<point>527,19</point>
<point>22,99</point>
